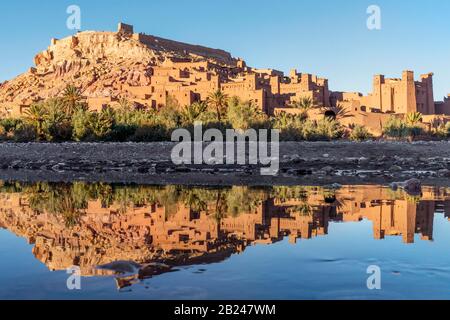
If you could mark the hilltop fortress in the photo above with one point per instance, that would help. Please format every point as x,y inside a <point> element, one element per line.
<point>149,70</point>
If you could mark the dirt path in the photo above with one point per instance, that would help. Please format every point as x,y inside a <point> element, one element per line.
<point>315,163</point>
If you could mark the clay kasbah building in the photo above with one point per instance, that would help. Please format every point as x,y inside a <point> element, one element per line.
<point>189,73</point>
<point>225,160</point>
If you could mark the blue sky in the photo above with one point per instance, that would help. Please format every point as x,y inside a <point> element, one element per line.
<point>327,37</point>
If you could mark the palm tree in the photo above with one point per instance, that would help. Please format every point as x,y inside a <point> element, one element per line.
<point>242,200</point>
<point>282,121</point>
<point>57,122</point>
<point>243,115</point>
<point>72,99</point>
<point>195,202</point>
<point>304,103</point>
<point>55,110</point>
<point>125,104</point>
<point>218,101</point>
<point>192,112</point>
<point>101,123</point>
<point>69,212</point>
<point>36,116</point>
<point>337,112</point>
<point>124,112</point>
<point>414,118</point>
<point>221,206</point>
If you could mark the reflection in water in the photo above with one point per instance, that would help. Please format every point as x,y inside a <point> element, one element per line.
<point>159,228</point>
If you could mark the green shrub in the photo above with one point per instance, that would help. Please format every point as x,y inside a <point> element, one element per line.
<point>398,128</point>
<point>360,133</point>
<point>131,116</point>
<point>80,124</point>
<point>8,127</point>
<point>150,133</point>
<point>10,124</point>
<point>92,126</point>
<point>443,131</point>
<point>59,131</point>
<point>296,128</point>
<point>25,133</point>
<point>169,117</point>
<point>3,133</point>
<point>53,120</point>
<point>192,113</point>
<point>328,129</point>
<point>101,124</point>
<point>309,130</point>
<point>290,126</point>
<point>128,119</point>
<point>57,124</point>
<point>122,132</point>
<point>395,128</point>
<point>244,115</point>
<point>414,131</point>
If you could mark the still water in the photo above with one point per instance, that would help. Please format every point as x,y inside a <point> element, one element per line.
<point>144,242</point>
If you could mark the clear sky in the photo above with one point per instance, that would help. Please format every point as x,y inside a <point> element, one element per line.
<point>329,38</point>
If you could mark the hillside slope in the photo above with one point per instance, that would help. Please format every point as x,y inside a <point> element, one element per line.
<point>99,63</point>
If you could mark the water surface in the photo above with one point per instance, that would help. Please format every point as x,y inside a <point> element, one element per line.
<point>229,243</point>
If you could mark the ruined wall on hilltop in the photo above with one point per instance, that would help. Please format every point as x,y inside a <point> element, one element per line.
<point>157,43</point>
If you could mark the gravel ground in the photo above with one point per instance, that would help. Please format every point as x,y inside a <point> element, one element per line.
<point>313,163</point>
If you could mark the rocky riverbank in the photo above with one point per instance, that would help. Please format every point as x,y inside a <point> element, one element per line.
<point>301,163</point>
